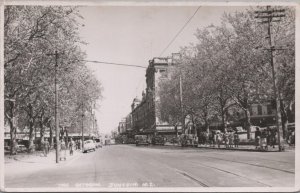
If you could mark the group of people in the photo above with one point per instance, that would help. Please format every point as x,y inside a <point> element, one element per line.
<point>264,138</point>
<point>215,138</point>
<point>72,145</point>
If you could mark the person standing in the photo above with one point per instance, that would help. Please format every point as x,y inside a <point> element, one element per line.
<point>264,137</point>
<point>273,137</point>
<point>71,144</point>
<point>226,139</point>
<point>219,139</point>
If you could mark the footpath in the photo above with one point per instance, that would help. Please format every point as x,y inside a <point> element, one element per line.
<point>30,163</point>
<point>239,148</point>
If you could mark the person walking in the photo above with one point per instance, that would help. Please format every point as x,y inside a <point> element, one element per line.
<point>257,138</point>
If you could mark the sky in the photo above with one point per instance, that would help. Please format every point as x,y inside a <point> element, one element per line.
<point>134,35</point>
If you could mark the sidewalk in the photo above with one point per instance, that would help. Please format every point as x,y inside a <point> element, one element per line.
<point>240,148</point>
<point>29,163</point>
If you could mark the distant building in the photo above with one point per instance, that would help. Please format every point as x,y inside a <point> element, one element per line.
<point>146,115</point>
<point>128,122</point>
<point>260,114</point>
<point>122,126</point>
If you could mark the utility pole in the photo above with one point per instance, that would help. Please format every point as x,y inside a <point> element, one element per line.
<point>56,110</point>
<point>56,106</point>
<point>181,106</point>
<point>267,17</point>
<point>82,137</point>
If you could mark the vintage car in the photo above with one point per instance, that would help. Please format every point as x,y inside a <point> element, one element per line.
<point>89,145</point>
<point>158,140</point>
<point>141,140</point>
<point>188,140</point>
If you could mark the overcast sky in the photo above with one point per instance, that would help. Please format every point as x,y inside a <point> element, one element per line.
<point>134,35</point>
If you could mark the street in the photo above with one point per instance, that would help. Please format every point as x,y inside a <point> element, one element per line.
<point>160,166</point>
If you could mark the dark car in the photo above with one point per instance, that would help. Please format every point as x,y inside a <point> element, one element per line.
<point>158,140</point>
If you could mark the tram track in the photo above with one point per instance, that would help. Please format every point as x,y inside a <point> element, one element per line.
<point>245,163</point>
<point>229,172</point>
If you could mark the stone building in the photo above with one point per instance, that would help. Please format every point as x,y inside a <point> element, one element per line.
<point>146,116</point>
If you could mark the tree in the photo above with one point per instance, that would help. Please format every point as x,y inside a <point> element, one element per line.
<point>31,34</point>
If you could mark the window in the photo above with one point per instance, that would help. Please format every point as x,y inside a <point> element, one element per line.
<point>269,109</point>
<point>259,110</point>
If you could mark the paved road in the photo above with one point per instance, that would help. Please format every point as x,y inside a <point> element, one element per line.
<point>130,166</point>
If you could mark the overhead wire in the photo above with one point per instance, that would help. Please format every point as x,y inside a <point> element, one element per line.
<point>113,63</point>
<point>181,29</point>
<point>138,66</point>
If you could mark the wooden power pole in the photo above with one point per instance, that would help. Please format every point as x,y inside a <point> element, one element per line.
<point>269,16</point>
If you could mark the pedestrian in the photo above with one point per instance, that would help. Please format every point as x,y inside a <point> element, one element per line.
<point>268,136</point>
<point>62,150</point>
<point>236,139</point>
<point>226,138</point>
<point>47,146</point>
<point>80,144</point>
<point>273,138</point>
<point>215,138</point>
<point>206,138</point>
<point>71,146</point>
<point>257,137</point>
<point>219,138</point>
<point>264,136</point>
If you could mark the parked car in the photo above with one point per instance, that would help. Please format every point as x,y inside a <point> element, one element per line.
<point>21,148</point>
<point>188,140</point>
<point>89,145</point>
<point>141,140</point>
<point>158,140</point>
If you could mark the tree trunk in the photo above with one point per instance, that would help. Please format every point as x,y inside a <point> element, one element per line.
<point>51,137</point>
<point>13,140</point>
<point>284,118</point>
<point>247,122</point>
<point>31,137</point>
<point>42,132</point>
<point>10,117</point>
<point>67,138</point>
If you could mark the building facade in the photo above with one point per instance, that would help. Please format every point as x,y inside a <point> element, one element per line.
<point>146,116</point>
<point>122,126</point>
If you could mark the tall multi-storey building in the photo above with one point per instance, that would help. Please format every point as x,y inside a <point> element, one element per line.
<point>146,116</point>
